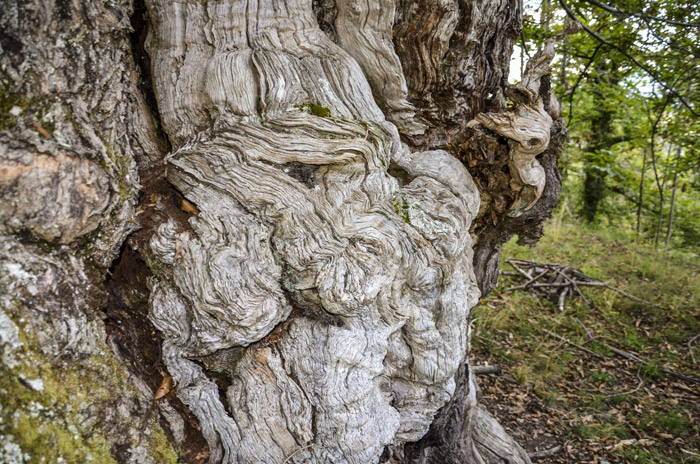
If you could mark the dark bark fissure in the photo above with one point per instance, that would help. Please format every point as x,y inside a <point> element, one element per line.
<point>131,332</point>
<point>304,173</point>
<point>325,11</point>
<point>127,324</point>
<point>139,22</point>
<point>128,327</point>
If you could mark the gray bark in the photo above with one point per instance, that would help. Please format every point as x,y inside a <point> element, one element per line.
<point>289,208</point>
<point>74,130</point>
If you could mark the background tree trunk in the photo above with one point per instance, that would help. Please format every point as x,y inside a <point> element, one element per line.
<point>288,208</point>
<point>669,226</point>
<point>640,199</point>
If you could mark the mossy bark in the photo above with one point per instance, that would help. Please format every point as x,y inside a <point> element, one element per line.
<point>74,130</point>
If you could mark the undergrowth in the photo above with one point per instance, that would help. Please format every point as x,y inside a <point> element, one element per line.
<point>603,406</point>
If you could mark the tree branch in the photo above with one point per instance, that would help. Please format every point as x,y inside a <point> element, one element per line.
<point>666,42</point>
<point>615,10</point>
<point>651,73</point>
<point>578,81</point>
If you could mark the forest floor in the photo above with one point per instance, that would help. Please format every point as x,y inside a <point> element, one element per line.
<point>588,403</point>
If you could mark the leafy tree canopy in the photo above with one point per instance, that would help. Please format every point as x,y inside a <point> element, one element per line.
<point>630,94</point>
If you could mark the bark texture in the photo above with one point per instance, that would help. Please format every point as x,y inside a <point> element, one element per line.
<point>72,130</point>
<point>347,172</point>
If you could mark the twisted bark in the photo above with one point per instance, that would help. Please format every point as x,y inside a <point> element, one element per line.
<point>349,170</point>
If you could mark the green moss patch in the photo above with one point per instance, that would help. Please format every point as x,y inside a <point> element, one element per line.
<point>316,110</point>
<point>56,412</point>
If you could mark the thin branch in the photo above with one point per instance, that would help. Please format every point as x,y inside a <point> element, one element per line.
<point>575,286</point>
<point>578,81</point>
<point>481,370</point>
<point>643,67</point>
<point>629,392</point>
<point>515,266</point>
<point>522,40</point>
<point>615,10</point>
<point>653,160</point>
<point>667,43</point>
<point>576,345</point>
<point>623,354</point>
<point>632,297</point>
<point>588,332</point>
<point>690,348</point>
<point>637,359</point>
<point>562,298</point>
<point>531,281</point>
<point>545,453</point>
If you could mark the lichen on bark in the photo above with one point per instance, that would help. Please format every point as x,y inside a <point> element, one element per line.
<point>73,128</point>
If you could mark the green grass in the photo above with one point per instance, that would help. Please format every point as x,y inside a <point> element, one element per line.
<point>511,328</point>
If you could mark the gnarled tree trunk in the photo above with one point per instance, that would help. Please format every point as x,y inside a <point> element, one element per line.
<point>288,207</point>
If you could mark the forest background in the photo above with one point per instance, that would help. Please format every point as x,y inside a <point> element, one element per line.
<point>599,380</point>
<point>629,89</point>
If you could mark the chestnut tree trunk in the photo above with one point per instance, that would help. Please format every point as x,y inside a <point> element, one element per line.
<point>253,231</point>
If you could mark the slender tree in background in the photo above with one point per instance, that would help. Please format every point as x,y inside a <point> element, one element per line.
<point>640,198</point>
<point>673,197</point>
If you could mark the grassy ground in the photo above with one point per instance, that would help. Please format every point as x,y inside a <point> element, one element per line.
<point>597,408</point>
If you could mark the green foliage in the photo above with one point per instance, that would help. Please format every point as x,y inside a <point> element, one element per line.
<point>651,370</point>
<point>631,108</point>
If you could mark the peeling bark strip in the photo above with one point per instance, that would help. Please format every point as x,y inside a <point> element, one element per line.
<point>349,173</point>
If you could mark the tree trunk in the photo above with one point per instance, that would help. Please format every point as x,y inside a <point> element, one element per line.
<point>652,148</point>
<point>640,200</point>
<point>669,226</point>
<point>273,216</point>
<point>595,159</point>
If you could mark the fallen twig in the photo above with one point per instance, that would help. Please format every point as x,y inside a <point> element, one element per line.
<point>626,355</point>
<point>629,392</point>
<point>534,279</point>
<point>635,358</point>
<point>582,348</point>
<point>588,332</point>
<point>519,270</point>
<point>545,453</point>
<point>690,347</point>
<point>559,282</point>
<point>481,370</point>
<point>632,297</point>
<point>562,297</point>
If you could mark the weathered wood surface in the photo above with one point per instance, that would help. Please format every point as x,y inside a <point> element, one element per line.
<point>350,170</point>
